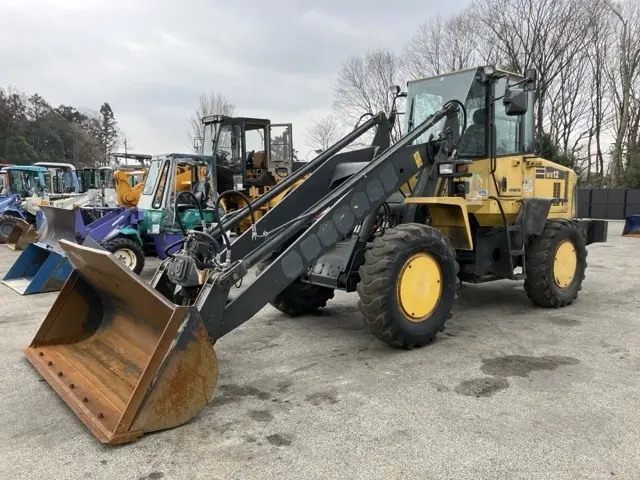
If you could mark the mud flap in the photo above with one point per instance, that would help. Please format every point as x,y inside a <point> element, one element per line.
<point>631,226</point>
<point>594,231</point>
<point>122,357</point>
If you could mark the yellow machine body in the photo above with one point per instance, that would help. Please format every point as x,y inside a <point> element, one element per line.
<point>517,177</point>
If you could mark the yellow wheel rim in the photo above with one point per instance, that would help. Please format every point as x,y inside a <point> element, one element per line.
<point>419,287</point>
<point>565,263</point>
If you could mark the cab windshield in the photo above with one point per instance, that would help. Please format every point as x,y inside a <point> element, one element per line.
<point>228,144</point>
<point>24,183</point>
<point>208,138</point>
<point>152,176</point>
<point>105,178</point>
<point>64,181</point>
<point>426,96</point>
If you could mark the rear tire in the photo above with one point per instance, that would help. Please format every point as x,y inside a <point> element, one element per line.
<point>548,283</point>
<point>128,251</point>
<point>431,292</point>
<point>299,298</point>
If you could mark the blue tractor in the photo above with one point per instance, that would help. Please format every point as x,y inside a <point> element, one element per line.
<point>18,212</point>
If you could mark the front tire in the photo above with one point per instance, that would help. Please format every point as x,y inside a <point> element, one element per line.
<point>298,298</point>
<point>128,251</point>
<point>556,264</point>
<point>408,285</point>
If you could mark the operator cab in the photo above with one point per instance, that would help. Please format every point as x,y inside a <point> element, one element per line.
<point>62,178</point>
<point>177,188</point>
<point>250,152</point>
<point>480,91</point>
<point>96,178</point>
<point>25,181</point>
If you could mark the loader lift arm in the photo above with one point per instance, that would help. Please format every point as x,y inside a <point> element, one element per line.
<point>334,216</point>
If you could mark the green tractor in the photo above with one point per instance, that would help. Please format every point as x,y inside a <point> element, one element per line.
<point>178,197</point>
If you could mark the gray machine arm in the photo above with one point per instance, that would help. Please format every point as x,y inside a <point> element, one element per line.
<point>320,227</point>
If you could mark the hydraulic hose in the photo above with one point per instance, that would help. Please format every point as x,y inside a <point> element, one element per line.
<point>197,203</point>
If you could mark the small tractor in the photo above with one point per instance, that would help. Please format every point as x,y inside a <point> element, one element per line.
<point>252,155</point>
<point>24,190</point>
<point>130,357</point>
<point>178,196</point>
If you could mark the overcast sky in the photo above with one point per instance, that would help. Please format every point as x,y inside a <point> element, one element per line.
<point>151,59</point>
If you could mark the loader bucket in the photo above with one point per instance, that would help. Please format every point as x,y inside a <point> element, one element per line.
<point>59,224</point>
<point>631,226</point>
<point>38,269</point>
<point>123,358</point>
<point>22,235</point>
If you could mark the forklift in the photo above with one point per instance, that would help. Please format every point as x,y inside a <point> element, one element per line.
<point>252,156</point>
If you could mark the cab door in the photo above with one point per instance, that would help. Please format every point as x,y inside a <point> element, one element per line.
<point>280,162</point>
<point>509,148</point>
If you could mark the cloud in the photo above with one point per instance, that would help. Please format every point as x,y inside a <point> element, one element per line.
<point>151,59</point>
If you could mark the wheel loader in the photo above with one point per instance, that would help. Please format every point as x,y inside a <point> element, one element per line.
<point>131,358</point>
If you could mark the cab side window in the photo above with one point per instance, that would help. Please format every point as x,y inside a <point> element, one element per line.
<point>157,199</point>
<point>507,128</point>
<point>474,140</point>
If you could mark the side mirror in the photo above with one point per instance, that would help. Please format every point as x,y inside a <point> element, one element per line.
<point>395,89</point>
<point>531,78</point>
<point>515,101</point>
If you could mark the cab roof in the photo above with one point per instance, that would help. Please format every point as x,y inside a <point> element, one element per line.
<point>196,157</point>
<point>69,166</point>
<point>227,118</point>
<point>470,69</point>
<point>24,168</point>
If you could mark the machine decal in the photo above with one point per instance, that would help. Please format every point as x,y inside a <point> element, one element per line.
<point>527,185</point>
<point>553,173</point>
<point>418,159</point>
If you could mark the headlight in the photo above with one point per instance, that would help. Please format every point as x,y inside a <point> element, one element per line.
<point>445,169</point>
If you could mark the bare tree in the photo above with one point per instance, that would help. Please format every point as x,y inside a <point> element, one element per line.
<point>634,129</point>
<point>568,115</point>
<point>363,86</point>
<point>546,38</point>
<point>324,133</point>
<point>623,77</point>
<point>212,103</point>
<point>445,44</point>
<point>599,48</point>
